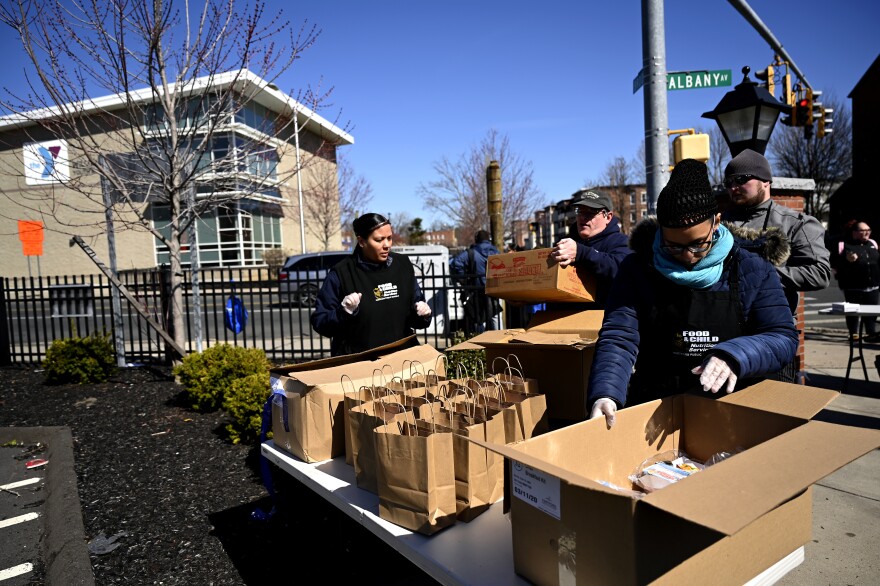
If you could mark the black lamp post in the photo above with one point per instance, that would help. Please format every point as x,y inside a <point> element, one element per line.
<point>747,115</point>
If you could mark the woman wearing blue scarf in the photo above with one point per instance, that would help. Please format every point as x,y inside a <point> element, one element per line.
<point>691,310</point>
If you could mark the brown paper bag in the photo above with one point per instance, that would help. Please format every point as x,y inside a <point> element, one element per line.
<point>511,377</point>
<point>416,476</point>
<point>352,398</point>
<point>531,417</point>
<point>479,473</point>
<point>364,418</point>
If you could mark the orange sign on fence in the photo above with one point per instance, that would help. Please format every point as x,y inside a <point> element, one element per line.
<point>30,232</point>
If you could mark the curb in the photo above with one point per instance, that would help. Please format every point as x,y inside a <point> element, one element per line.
<point>63,545</point>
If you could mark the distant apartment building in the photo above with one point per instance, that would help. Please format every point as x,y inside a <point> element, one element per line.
<point>556,221</point>
<point>442,237</point>
<point>247,162</point>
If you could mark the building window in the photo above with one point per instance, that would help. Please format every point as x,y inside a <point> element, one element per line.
<point>644,197</point>
<point>632,198</point>
<point>235,234</point>
<point>632,218</point>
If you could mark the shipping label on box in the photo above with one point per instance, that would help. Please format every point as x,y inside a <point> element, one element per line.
<point>533,275</point>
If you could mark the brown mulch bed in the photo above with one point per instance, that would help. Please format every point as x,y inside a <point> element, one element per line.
<point>184,496</point>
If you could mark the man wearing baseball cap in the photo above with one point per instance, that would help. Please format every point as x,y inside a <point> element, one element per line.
<point>599,245</point>
<point>747,179</point>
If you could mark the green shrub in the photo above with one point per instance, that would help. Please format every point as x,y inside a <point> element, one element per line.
<point>80,360</point>
<point>207,376</point>
<point>469,362</point>
<point>244,403</point>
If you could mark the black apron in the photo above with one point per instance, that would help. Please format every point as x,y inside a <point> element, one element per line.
<point>684,324</point>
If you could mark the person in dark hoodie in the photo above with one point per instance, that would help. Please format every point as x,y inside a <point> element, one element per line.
<point>692,310</point>
<point>598,245</point>
<point>371,298</point>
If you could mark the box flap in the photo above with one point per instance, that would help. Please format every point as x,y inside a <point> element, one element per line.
<point>346,359</point>
<point>510,451</point>
<point>765,476</point>
<point>551,339</point>
<point>587,323</point>
<point>488,337</point>
<point>785,398</point>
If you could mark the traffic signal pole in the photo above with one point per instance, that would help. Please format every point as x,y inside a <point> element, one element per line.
<point>656,122</point>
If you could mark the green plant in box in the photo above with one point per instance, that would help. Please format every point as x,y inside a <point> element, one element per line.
<point>80,360</point>
<point>207,376</point>
<point>470,362</point>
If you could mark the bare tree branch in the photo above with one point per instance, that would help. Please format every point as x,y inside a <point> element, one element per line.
<point>459,191</point>
<point>827,160</point>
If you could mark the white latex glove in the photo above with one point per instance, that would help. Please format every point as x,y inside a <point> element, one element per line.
<point>350,302</point>
<point>605,407</point>
<point>565,251</point>
<point>714,372</point>
<point>422,309</point>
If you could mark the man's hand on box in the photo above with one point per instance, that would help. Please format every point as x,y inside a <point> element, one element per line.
<point>606,407</point>
<point>564,252</point>
<point>714,373</point>
<point>350,302</point>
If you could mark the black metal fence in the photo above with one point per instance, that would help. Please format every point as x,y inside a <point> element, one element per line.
<point>35,311</point>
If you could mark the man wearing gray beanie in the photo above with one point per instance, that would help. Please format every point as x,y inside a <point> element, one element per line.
<point>747,179</point>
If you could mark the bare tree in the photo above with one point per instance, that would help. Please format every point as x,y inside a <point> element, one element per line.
<point>719,154</point>
<point>335,198</point>
<point>163,136</point>
<point>617,173</point>
<point>638,164</point>
<point>459,192</point>
<point>827,160</point>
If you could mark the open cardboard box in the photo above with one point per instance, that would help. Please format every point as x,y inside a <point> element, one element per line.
<point>533,275</point>
<point>314,393</point>
<point>723,525</point>
<point>557,350</point>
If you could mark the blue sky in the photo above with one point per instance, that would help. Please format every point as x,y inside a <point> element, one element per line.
<point>421,80</point>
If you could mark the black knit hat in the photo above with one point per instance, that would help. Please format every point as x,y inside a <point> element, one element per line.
<point>364,225</point>
<point>687,199</point>
<point>749,162</point>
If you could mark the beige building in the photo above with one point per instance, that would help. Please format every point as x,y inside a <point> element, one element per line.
<point>246,185</point>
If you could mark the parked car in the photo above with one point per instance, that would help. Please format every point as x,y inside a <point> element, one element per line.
<point>301,276</point>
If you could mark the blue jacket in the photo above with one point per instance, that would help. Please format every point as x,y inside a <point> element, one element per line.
<point>458,265</point>
<point>770,344</point>
<point>602,255</point>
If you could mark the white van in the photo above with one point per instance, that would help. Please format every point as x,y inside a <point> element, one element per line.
<point>431,262</point>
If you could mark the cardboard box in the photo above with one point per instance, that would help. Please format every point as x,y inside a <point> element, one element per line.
<point>722,525</point>
<point>533,275</point>
<point>557,350</point>
<point>311,395</point>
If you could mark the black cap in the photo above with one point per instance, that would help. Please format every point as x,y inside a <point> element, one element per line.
<point>364,225</point>
<point>591,198</point>
<point>688,198</point>
<point>749,162</point>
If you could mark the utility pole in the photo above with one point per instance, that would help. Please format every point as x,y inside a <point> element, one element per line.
<point>656,124</point>
<point>493,202</point>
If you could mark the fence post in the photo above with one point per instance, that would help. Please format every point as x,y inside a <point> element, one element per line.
<point>5,355</point>
<point>165,300</point>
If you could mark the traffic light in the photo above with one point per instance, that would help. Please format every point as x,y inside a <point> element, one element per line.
<point>825,122</point>
<point>766,75</point>
<point>801,113</point>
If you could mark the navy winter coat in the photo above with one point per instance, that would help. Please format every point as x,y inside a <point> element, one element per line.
<point>771,343</point>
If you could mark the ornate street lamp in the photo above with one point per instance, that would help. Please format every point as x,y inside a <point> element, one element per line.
<point>747,115</point>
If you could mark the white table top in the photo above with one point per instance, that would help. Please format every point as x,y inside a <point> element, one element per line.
<point>477,553</point>
<point>864,310</point>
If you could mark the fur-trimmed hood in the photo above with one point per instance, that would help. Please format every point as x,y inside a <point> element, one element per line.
<point>771,244</point>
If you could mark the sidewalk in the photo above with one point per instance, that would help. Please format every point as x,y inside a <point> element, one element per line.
<point>846,504</point>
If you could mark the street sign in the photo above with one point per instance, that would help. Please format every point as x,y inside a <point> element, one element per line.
<point>691,80</point>
<point>639,80</point>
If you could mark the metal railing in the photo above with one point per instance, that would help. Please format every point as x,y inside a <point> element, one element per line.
<point>35,311</point>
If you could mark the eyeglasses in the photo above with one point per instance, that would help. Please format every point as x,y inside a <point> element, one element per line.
<point>676,250</point>
<point>589,213</point>
<point>860,230</point>
<point>737,180</point>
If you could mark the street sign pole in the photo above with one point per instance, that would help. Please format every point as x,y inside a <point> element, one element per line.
<point>656,125</point>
